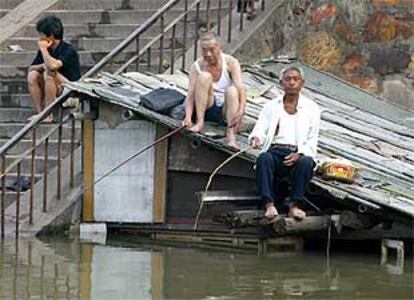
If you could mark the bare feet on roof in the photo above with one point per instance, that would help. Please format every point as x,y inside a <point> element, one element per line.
<point>271,211</point>
<point>297,213</point>
<point>197,127</point>
<point>234,144</point>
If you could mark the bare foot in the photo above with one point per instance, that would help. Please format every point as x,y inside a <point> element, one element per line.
<point>234,144</point>
<point>297,213</point>
<point>271,211</point>
<point>48,119</point>
<point>197,127</point>
<point>31,117</point>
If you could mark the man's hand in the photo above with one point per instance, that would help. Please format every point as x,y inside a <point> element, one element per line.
<point>187,122</point>
<point>44,44</point>
<point>255,142</point>
<point>291,159</point>
<point>236,121</point>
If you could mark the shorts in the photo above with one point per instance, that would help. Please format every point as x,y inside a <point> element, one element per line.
<point>215,114</point>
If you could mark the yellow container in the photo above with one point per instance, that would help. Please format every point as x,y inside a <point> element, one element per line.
<point>341,170</point>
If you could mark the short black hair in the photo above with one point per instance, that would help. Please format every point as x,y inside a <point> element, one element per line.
<point>50,25</point>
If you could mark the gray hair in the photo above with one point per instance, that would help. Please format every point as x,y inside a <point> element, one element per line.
<point>291,68</point>
<point>209,36</point>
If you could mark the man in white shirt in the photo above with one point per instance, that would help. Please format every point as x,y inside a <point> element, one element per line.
<point>287,131</point>
<point>216,91</point>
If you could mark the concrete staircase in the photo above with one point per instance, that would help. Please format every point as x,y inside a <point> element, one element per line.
<point>95,27</point>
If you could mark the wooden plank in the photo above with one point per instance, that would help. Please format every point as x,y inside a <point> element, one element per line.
<point>88,170</point>
<point>284,226</point>
<point>226,197</point>
<point>157,274</point>
<point>160,177</point>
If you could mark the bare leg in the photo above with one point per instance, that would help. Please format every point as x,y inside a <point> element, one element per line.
<point>231,107</point>
<point>53,88</point>
<point>203,99</point>
<point>35,86</point>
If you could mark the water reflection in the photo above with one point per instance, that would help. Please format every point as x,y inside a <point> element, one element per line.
<point>68,269</point>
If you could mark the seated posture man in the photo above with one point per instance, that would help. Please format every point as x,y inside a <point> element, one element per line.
<point>215,90</point>
<point>56,62</point>
<point>287,130</point>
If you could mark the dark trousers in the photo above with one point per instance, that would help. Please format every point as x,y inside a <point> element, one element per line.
<point>270,168</point>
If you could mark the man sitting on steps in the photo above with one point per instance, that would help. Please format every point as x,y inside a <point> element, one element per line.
<point>216,90</point>
<point>56,61</point>
<point>287,130</point>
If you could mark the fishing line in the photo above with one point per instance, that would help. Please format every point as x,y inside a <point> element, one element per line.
<point>154,143</point>
<point>211,178</point>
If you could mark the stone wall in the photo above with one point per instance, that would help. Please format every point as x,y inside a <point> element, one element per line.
<point>369,43</point>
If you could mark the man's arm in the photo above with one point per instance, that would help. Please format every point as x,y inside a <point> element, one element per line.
<point>51,64</point>
<point>38,68</point>
<point>189,101</point>
<point>236,75</point>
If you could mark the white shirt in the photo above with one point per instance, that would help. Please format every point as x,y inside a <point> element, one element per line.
<point>287,129</point>
<point>220,86</point>
<point>307,124</point>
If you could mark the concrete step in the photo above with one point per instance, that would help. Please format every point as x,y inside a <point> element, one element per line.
<point>99,30</point>
<point>10,4</point>
<point>95,44</point>
<point>53,145</point>
<point>26,163</point>
<point>9,115</point>
<point>86,58</point>
<point>101,16</point>
<point>95,4</point>
<point>108,4</point>
<point>15,100</point>
<point>7,130</point>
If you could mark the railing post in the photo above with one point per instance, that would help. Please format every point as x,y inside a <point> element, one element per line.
<point>3,193</point>
<point>230,20</point>
<point>263,5</point>
<point>45,171</point>
<point>242,3</point>
<point>219,17</point>
<point>208,7</point>
<point>72,154</point>
<point>172,50</point>
<point>59,156</point>
<point>196,30</point>
<point>137,51</point>
<point>185,33</point>
<point>32,176</point>
<point>18,201</point>
<point>149,59</point>
<point>161,44</point>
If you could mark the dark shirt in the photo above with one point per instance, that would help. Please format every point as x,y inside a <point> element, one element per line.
<point>69,57</point>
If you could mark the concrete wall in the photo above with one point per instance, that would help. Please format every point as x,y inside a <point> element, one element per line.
<point>368,43</point>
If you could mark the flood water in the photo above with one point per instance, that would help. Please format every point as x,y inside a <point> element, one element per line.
<point>122,269</point>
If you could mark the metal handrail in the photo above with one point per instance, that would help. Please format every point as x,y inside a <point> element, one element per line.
<point>38,118</point>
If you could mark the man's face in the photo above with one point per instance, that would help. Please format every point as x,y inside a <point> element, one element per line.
<point>210,51</point>
<point>292,82</point>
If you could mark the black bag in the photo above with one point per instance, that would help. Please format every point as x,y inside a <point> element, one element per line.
<point>162,100</point>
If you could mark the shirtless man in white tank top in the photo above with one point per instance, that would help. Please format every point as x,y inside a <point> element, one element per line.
<point>216,91</point>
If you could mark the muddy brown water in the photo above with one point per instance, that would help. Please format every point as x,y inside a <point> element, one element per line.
<point>123,269</point>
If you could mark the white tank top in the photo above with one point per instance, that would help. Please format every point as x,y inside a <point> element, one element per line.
<point>222,84</point>
<point>287,129</point>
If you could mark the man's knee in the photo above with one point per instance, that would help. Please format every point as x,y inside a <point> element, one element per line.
<point>204,78</point>
<point>306,162</point>
<point>34,78</point>
<point>232,93</point>
<point>264,159</point>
